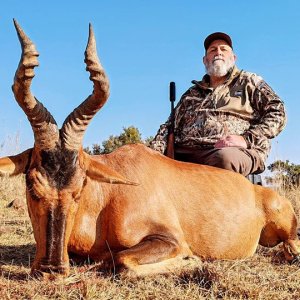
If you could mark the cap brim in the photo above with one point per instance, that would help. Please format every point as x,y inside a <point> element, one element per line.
<point>217,36</point>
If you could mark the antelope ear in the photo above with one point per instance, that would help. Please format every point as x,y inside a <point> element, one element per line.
<point>16,164</point>
<point>102,173</point>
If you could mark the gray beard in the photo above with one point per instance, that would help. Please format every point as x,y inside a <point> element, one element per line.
<point>219,68</point>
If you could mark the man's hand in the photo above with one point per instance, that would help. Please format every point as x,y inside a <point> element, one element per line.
<point>231,141</point>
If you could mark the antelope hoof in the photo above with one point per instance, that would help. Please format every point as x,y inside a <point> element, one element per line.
<point>296,260</point>
<point>49,272</point>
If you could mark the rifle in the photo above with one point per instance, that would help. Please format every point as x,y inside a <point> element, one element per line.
<point>171,139</point>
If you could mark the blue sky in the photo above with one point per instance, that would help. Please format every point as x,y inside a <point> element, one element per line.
<point>143,45</point>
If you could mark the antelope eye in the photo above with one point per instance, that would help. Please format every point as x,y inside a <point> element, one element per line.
<point>76,196</point>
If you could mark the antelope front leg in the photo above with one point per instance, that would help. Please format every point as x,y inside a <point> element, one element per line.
<point>154,254</point>
<point>291,249</point>
<point>281,227</point>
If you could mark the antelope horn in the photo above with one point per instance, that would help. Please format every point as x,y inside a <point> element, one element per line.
<point>44,127</point>
<point>76,123</point>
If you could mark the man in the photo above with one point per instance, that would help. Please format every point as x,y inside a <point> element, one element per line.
<point>227,119</point>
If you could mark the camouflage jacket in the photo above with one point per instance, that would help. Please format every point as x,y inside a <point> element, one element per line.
<point>244,105</point>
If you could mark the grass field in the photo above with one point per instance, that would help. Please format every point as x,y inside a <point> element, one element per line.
<point>264,276</point>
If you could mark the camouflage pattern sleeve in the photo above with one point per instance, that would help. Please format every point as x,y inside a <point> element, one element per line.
<point>159,143</point>
<point>271,111</point>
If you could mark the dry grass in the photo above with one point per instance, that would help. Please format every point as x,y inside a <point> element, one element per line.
<point>264,276</point>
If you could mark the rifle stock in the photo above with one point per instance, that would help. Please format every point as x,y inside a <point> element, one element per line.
<point>170,151</point>
<point>170,146</point>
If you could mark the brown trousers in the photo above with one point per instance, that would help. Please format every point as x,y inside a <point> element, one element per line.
<point>243,161</point>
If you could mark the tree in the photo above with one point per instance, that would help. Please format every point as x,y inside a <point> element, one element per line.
<point>148,140</point>
<point>96,149</point>
<point>88,150</point>
<point>111,144</point>
<point>286,174</point>
<point>129,135</point>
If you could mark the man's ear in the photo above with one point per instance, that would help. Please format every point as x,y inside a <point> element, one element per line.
<point>235,57</point>
<point>102,173</point>
<point>16,164</point>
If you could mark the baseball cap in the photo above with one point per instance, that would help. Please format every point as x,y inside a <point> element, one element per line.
<point>217,36</point>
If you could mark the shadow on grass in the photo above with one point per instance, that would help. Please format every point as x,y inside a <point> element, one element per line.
<point>21,255</point>
<point>275,255</point>
<point>14,275</point>
<point>204,276</point>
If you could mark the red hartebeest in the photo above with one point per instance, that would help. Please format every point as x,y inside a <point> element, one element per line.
<point>91,206</point>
